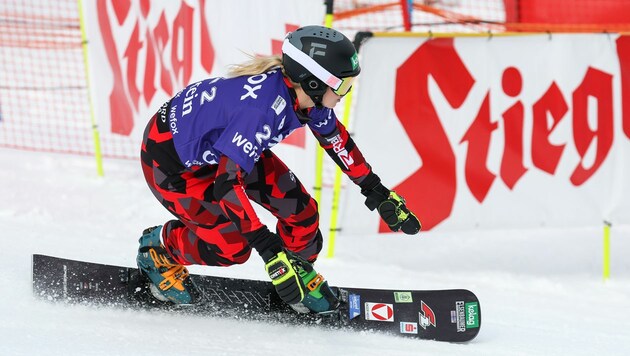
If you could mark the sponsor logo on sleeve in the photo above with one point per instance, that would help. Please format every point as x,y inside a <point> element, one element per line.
<point>339,148</point>
<point>172,120</point>
<point>321,123</point>
<point>408,327</point>
<point>354,304</point>
<point>403,297</point>
<point>379,312</point>
<point>325,121</point>
<point>163,111</point>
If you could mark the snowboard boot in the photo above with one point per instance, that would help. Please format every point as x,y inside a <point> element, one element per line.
<point>168,280</point>
<point>320,298</point>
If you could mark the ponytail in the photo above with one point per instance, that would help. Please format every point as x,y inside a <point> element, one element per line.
<point>258,65</point>
<point>255,65</point>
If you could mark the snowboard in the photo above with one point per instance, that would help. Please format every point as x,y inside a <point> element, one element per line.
<point>444,315</point>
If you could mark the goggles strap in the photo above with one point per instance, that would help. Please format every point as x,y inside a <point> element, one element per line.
<point>311,65</point>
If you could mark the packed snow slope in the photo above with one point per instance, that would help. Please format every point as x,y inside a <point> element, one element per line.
<point>541,290</point>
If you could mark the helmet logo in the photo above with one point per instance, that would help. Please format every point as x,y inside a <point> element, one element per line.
<point>355,61</point>
<point>314,52</point>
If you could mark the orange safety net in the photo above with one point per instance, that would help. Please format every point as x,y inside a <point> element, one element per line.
<point>484,15</point>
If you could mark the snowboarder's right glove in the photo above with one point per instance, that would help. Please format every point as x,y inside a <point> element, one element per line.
<point>392,209</point>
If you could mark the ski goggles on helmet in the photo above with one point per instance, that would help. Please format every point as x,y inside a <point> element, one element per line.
<point>340,86</point>
<point>344,86</point>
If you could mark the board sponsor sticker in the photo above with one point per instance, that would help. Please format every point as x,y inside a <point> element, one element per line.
<point>379,312</point>
<point>354,305</point>
<point>403,297</point>
<point>408,327</point>
<point>472,315</point>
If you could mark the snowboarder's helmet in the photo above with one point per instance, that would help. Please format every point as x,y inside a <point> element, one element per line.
<point>318,57</point>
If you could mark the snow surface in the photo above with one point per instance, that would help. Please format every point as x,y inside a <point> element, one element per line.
<point>541,291</point>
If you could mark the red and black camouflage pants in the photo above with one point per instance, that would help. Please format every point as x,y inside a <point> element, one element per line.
<point>202,234</point>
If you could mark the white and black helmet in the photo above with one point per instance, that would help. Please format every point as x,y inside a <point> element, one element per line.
<point>318,57</point>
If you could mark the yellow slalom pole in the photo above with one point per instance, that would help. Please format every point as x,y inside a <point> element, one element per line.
<point>606,269</point>
<point>319,156</point>
<point>319,152</point>
<point>337,186</point>
<point>319,172</point>
<point>95,134</point>
<point>328,20</point>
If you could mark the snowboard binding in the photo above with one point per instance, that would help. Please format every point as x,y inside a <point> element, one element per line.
<point>143,291</point>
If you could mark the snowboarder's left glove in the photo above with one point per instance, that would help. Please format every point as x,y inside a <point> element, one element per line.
<point>297,282</point>
<point>392,209</point>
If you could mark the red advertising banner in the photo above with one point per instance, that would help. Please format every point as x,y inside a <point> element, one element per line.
<point>489,120</point>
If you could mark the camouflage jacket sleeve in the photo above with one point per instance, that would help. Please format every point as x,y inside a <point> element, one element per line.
<point>335,139</point>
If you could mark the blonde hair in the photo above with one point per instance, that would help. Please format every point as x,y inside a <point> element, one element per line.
<point>255,65</point>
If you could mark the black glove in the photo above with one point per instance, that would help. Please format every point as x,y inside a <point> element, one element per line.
<point>279,264</point>
<point>293,277</point>
<point>284,270</point>
<point>392,209</point>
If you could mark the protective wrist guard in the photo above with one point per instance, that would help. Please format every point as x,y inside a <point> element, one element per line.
<point>392,209</point>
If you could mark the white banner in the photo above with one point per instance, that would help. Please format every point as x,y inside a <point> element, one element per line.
<point>143,52</point>
<point>517,131</point>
